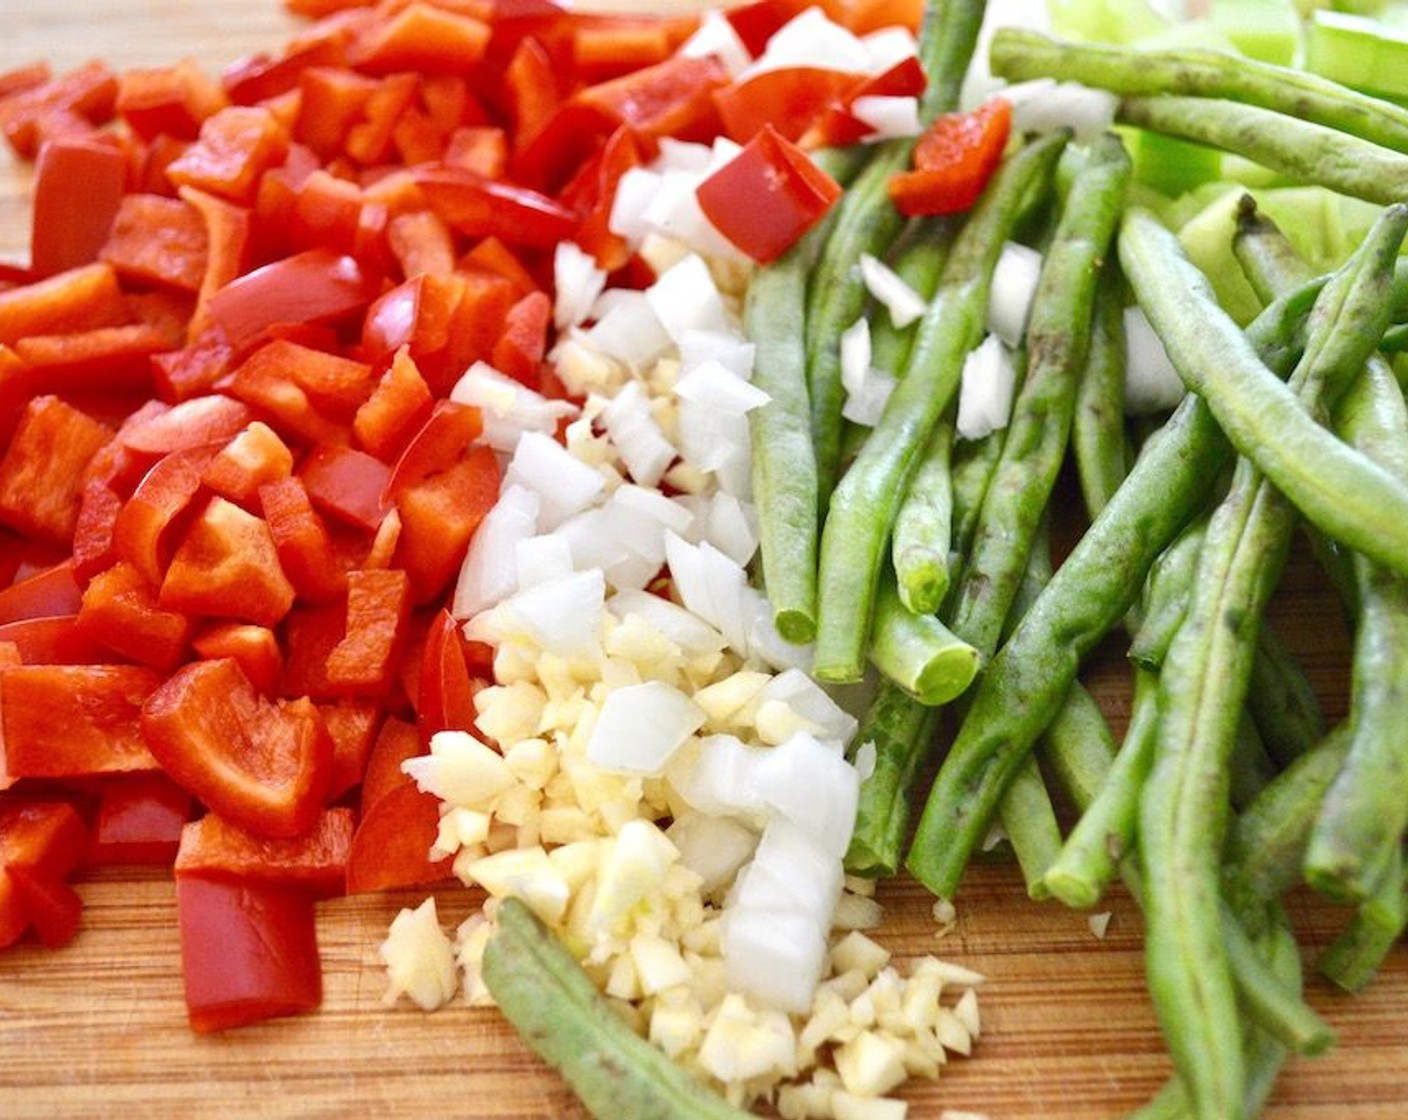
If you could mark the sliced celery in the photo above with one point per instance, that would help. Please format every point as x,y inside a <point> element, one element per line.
<point>1172,166</point>
<point>1105,21</point>
<point>1366,54</point>
<point>1268,30</point>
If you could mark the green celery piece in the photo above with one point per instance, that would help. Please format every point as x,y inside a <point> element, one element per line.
<point>1105,21</point>
<point>1172,166</point>
<point>1268,30</point>
<point>1363,53</point>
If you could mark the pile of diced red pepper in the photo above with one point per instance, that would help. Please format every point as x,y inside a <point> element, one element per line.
<point>234,492</point>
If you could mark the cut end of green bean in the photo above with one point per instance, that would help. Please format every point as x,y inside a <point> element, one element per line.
<point>795,626</point>
<point>1070,890</point>
<point>947,676</point>
<point>923,579</point>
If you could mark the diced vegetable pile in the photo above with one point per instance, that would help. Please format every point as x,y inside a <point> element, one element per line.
<point>588,458</point>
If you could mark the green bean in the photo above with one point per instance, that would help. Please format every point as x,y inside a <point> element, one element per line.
<point>1249,767</point>
<point>1355,956</point>
<point>1342,491</point>
<point>1266,843</point>
<point>1308,153</point>
<point>1203,683</point>
<point>1270,1003</point>
<point>867,222</point>
<point>1057,339</point>
<point>919,259</point>
<point>544,993</point>
<point>1282,700</point>
<point>1030,826</point>
<point>1019,55</point>
<point>1102,452</point>
<point>1366,810</point>
<point>970,470</point>
<point>1170,587</point>
<point>864,503</point>
<point>1024,685</point>
<point>1080,749</point>
<point>901,729</point>
<point>917,651</point>
<point>1090,858</point>
<point>919,547</point>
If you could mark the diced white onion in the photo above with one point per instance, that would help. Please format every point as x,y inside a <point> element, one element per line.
<point>800,692</point>
<point>541,559</point>
<point>888,47</point>
<point>716,38</point>
<point>815,788</point>
<point>1043,105</point>
<point>686,299</point>
<point>1151,383</point>
<point>577,282</point>
<point>985,393</point>
<point>629,331</point>
<point>687,630</point>
<point>641,726</point>
<point>889,117</point>
<point>713,586</point>
<point>713,847</point>
<point>904,304</point>
<point>644,450</point>
<point>508,408</point>
<point>563,615</point>
<point>775,957</point>
<point>728,349</point>
<point>564,484</point>
<point>811,39</point>
<point>1014,282</point>
<point>490,569</point>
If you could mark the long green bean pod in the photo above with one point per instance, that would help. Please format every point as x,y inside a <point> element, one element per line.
<point>900,729</point>
<point>923,534</point>
<point>1184,806</point>
<point>1366,810</point>
<point>917,651</point>
<point>1098,436</point>
<point>556,1009</point>
<point>1309,153</point>
<point>1343,491</point>
<point>867,222</point>
<point>1058,340</point>
<point>1282,700</point>
<point>864,503</point>
<point>1354,957</point>
<point>1019,55</point>
<point>1024,685</point>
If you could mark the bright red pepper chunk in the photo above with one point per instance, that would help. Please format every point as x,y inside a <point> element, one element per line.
<point>953,161</point>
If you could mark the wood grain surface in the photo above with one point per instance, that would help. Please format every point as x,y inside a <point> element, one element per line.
<point>98,1028</point>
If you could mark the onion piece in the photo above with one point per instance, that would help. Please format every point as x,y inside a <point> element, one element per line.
<point>541,559</point>
<point>716,38</point>
<point>686,299</point>
<point>713,847</point>
<point>508,408</point>
<point>577,282</point>
<point>1043,105</point>
<point>811,39</point>
<point>1014,282</point>
<point>628,330</point>
<point>1151,383</point>
<point>636,435</point>
<point>904,304</point>
<point>684,628</point>
<point>814,787</point>
<point>888,47</point>
<point>489,573</point>
<point>985,392</point>
<point>564,484</point>
<point>713,586</point>
<point>889,117</point>
<point>639,727</point>
<point>564,615</point>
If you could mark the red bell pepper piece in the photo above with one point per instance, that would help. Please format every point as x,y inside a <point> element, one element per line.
<point>253,458</point>
<point>331,100</point>
<point>422,37</point>
<point>364,662</point>
<point>45,836</point>
<point>767,196</point>
<point>953,161</point>
<point>69,721</point>
<point>227,565</point>
<point>141,534</point>
<point>169,100</point>
<point>156,240</point>
<point>51,641</point>
<point>790,100</point>
<point>421,242</point>
<point>398,406</point>
<point>236,146</point>
<point>78,299</point>
<point>439,515</point>
<point>315,286</point>
<point>260,77</point>
<point>98,508</point>
<point>672,98</point>
<point>759,21</point>
<point>347,485</point>
<point>353,726</point>
<point>261,764</point>
<point>54,908</point>
<point>311,633</point>
<point>120,612</point>
<point>301,539</point>
<point>110,360</point>
<point>227,240</point>
<point>191,423</point>
<point>838,126</point>
<point>195,368</point>
<point>479,206</point>
<point>78,187</point>
<point>53,591</point>
<point>249,952</point>
<point>523,346</point>
<point>256,648</point>
<point>41,474</point>
<point>444,438</point>
<point>139,820</point>
<point>445,699</point>
<point>391,847</point>
<point>314,863</point>
<point>85,95</point>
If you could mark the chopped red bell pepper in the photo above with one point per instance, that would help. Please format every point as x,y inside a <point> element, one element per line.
<point>53,591</point>
<point>79,298</point>
<point>253,458</point>
<point>236,146</point>
<point>314,863</point>
<point>391,847</point>
<point>445,698</point>
<point>767,196</point>
<point>156,240</point>
<point>139,820</point>
<point>353,726</point>
<point>168,100</point>
<point>302,541</point>
<point>262,764</point>
<point>146,522</point>
<point>953,161</point>
<point>42,471</point>
<point>249,952</point>
<point>78,188</point>
<point>364,662</point>
<point>397,408</point>
<point>121,613</point>
<point>439,515</point>
<point>70,721</point>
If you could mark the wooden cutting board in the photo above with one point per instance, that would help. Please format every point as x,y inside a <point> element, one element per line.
<point>98,1028</point>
